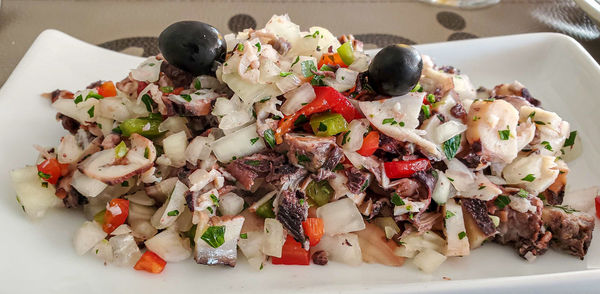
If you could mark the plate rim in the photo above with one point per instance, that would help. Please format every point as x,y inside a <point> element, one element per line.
<point>498,283</point>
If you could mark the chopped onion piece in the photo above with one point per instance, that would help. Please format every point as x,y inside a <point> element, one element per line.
<point>88,235</point>
<point>274,237</point>
<point>429,260</point>
<point>174,147</point>
<point>169,246</point>
<point>340,217</point>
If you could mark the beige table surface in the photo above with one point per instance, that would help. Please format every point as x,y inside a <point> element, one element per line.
<point>121,24</point>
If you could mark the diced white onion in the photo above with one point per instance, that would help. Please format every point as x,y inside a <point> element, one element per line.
<point>344,80</point>
<point>174,147</point>
<point>169,246</point>
<point>87,186</point>
<point>297,98</point>
<point>340,217</point>
<point>148,70</point>
<point>343,248</point>
<point>442,189</point>
<point>288,83</point>
<point>33,197</point>
<point>238,144</point>
<point>88,235</point>
<point>429,260</point>
<point>231,204</point>
<point>274,237</point>
<point>125,250</point>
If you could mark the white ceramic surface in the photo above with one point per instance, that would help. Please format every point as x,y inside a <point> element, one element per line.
<point>37,257</point>
<point>591,7</point>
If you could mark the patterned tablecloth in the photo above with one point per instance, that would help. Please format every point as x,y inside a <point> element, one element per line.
<point>132,25</point>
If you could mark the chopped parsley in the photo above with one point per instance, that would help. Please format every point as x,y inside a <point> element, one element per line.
<point>244,236</point>
<point>93,95</point>
<point>300,120</point>
<point>302,158</point>
<point>78,99</point>
<point>528,178</point>
<point>322,127</point>
<point>475,118</point>
<point>426,111</point>
<point>449,214</point>
<point>307,67</point>
<point>43,175</point>
<point>345,138</point>
<point>198,84</point>
<point>240,47</point>
<point>254,140</point>
<point>91,111</point>
<point>339,166</point>
<point>258,46</point>
<point>462,235</point>
<point>401,123</point>
<point>265,99</point>
<point>284,74</point>
<point>364,186</point>
<point>389,121</point>
<point>147,153</point>
<point>522,193</point>
<point>45,184</point>
<point>450,179</point>
<point>148,101</point>
<point>538,122</point>
<point>252,162</point>
<point>209,209</point>
<point>504,134</point>
<point>451,146</point>
<point>571,140</point>
<point>313,35</point>
<point>186,97</point>
<point>125,184</point>
<point>173,213</point>
<point>269,137</point>
<point>396,200</point>
<point>295,61</point>
<point>547,145</point>
<point>481,187</point>
<point>565,208</point>
<point>214,236</point>
<point>501,201</point>
<point>214,199</point>
<point>531,115</point>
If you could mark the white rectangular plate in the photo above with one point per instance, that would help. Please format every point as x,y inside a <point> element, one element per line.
<point>37,257</point>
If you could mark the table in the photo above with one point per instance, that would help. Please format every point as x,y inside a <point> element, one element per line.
<point>131,25</point>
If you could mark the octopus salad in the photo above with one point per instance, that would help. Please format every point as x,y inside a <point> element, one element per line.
<point>288,147</point>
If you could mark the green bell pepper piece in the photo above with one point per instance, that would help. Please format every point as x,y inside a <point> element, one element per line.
<point>328,124</point>
<point>266,210</point>
<point>346,53</point>
<point>319,192</point>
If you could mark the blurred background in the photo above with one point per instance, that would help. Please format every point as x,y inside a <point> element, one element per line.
<point>131,26</point>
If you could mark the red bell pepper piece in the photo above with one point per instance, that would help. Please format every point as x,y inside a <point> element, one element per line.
<point>151,263</point>
<point>107,89</point>
<point>292,253</point>
<point>405,169</point>
<point>314,229</point>
<point>327,98</point>
<point>141,87</point>
<point>113,221</point>
<point>331,59</point>
<point>50,170</point>
<point>177,91</point>
<point>370,144</point>
<point>598,206</point>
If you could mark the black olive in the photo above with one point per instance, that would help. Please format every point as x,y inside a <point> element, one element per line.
<point>395,70</point>
<point>192,46</point>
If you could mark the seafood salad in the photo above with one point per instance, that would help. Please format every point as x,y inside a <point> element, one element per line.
<point>280,146</point>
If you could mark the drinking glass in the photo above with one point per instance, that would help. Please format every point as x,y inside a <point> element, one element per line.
<point>463,3</point>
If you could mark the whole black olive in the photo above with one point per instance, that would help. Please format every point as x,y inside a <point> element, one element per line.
<point>192,46</point>
<point>395,70</point>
